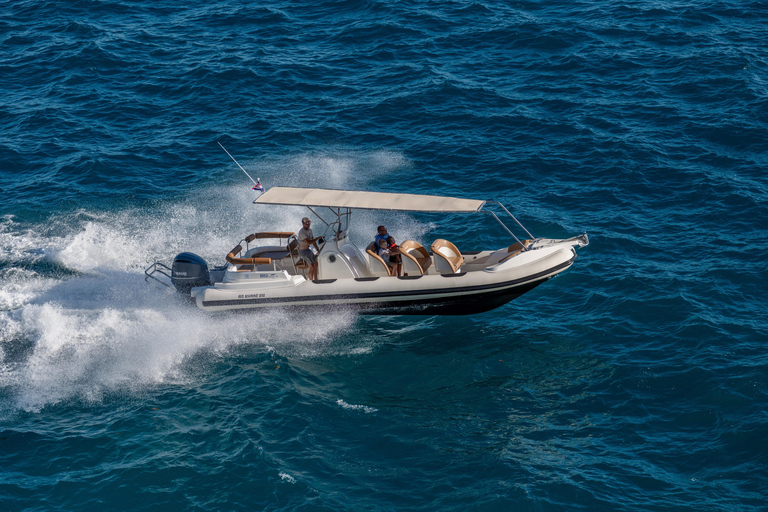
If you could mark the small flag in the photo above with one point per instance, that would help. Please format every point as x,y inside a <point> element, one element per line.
<point>258,186</point>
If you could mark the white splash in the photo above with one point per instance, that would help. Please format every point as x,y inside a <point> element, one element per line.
<point>77,320</point>
<point>364,408</point>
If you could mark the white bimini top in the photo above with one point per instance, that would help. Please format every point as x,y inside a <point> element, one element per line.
<point>367,200</point>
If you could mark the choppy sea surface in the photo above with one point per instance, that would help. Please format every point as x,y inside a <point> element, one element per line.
<point>636,380</point>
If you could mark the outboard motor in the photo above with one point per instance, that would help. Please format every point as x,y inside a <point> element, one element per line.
<point>189,270</point>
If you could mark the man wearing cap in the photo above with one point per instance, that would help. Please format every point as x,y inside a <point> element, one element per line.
<point>305,238</point>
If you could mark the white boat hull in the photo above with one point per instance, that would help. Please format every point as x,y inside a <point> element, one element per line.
<point>380,279</point>
<point>450,294</point>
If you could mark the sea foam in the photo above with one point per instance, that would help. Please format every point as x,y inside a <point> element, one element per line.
<point>78,320</point>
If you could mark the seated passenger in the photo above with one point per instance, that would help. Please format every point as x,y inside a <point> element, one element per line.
<point>386,254</point>
<point>382,248</point>
<point>394,255</point>
<point>381,234</point>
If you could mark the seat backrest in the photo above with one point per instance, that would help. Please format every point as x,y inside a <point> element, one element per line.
<point>515,249</point>
<point>293,246</point>
<point>411,266</point>
<point>518,246</point>
<point>374,258</point>
<point>448,259</point>
<point>417,252</point>
<point>292,258</point>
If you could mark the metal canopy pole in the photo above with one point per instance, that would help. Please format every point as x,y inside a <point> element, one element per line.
<point>513,217</point>
<point>505,226</point>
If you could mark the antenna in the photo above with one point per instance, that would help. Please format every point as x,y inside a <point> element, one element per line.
<point>233,159</point>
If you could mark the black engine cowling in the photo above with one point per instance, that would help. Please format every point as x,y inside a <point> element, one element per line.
<point>189,270</point>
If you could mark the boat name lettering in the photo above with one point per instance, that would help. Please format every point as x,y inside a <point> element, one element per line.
<point>252,296</point>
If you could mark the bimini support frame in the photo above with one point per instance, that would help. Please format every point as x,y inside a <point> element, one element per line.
<point>505,226</point>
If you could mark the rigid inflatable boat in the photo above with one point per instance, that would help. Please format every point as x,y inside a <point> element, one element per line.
<point>265,269</point>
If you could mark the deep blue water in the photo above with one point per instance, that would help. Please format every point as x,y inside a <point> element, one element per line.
<point>637,380</point>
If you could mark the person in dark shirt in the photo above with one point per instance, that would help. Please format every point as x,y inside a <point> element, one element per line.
<point>394,255</point>
<point>381,234</point>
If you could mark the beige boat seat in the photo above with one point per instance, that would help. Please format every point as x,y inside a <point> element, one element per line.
<point>376,258</point>
<point>448,259</point>
<point>515,249</point>
<point>416,259</point>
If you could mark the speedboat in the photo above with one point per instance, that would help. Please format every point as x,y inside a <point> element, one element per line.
<point>265,270</point>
